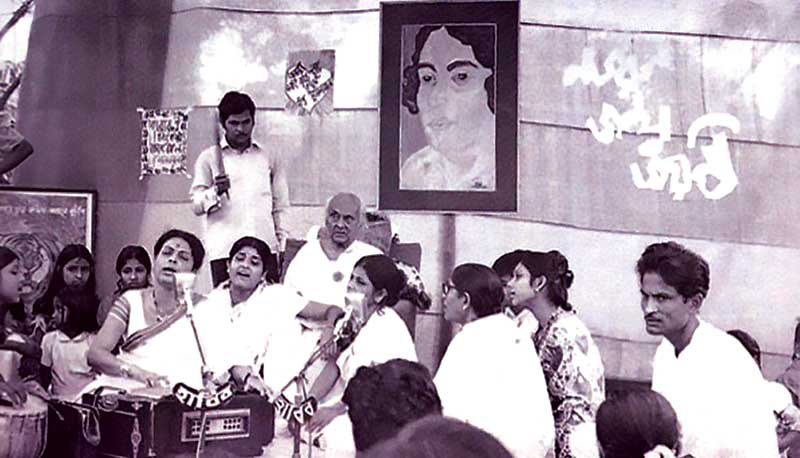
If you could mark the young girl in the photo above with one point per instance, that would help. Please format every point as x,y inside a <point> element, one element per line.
<point>12,345</point>
<point>63,365</point>
<point>74,270</point>
<point>133,268</point>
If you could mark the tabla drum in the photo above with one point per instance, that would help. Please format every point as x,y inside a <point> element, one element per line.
<point>23,430</point>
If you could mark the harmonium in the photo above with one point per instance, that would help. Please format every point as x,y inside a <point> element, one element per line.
<point>139,424</point>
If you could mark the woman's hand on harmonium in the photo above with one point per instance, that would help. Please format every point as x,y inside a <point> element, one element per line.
<point>14,393</point>
<point>252,382</point>
<point>149,378</point>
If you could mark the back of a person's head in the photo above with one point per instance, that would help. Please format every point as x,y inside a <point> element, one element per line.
<point>81,309</point>
<point>382,399</point>
<point>636,422</point>
<point>483,286</point>
<point>749,343</point>
<point>440,437</point>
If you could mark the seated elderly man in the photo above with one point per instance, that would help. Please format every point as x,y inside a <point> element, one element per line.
<point>320,272</point>
<point>321,268</point>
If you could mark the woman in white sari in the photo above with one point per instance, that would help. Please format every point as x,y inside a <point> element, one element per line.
<point>374,288</point>
<point>238,318</point>
<point>158,347</point>
<point>490,375</point>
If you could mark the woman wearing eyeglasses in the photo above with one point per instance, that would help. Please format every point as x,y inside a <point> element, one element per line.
<point>490,376</point>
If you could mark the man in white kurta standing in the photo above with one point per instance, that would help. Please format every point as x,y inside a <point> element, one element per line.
<point>239,187</point>
<point>707,376</point>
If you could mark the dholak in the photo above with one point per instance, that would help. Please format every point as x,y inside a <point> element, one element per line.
<point>23,430</point>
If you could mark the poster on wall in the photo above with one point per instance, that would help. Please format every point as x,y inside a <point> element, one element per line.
<point>164,136</point>
<point>309,81</point>
<point>449,106</point>
<point>38,223</point>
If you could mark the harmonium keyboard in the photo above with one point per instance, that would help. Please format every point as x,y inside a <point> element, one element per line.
<point>139,426</point>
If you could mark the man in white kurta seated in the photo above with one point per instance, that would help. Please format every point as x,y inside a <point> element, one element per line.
<point>321,269</point>
<point>320,272</point>
<point>706,375</point>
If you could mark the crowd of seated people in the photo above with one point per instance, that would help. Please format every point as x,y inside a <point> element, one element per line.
<point>522,377</point>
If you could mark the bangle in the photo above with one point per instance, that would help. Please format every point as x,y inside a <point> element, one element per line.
<point>246,377</point>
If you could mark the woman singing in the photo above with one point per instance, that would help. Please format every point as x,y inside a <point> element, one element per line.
<point>374,288</point>
<point>158,346</point>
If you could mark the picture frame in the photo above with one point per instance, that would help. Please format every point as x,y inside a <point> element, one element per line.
<point>37,224</point>
<point>448,107</point>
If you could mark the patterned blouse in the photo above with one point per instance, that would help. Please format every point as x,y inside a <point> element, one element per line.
<point>573,370</point>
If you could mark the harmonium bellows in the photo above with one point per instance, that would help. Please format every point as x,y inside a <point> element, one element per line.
<point>140,427</point>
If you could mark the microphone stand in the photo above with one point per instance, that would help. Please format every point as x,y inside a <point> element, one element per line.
<point>295,426</point>
<point>184,283</point>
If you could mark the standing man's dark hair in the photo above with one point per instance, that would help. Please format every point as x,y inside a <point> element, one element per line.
<point>234,103</point>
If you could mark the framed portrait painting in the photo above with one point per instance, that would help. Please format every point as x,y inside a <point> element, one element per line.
<point>38,223</point>
<point>449,106</point>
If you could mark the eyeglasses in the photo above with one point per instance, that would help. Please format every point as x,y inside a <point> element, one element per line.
<point>446,287</point>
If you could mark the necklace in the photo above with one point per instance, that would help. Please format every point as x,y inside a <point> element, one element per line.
<point>158,314</point>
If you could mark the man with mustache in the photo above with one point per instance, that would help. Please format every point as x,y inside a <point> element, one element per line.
<point>321,269</point>
<point>708,377</point>
<point>450,84</point>
<point>239,187</point>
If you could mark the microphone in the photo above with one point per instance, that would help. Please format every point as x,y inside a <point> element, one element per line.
<point>184,287</point>
<point>354,303</point>
<point>346,329</point>
<point>338,328</point>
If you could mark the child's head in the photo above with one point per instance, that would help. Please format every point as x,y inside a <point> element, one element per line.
<point>9,276</point>
<point>75,312</point>
<point>133,267</point>
<point>74,269</point>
